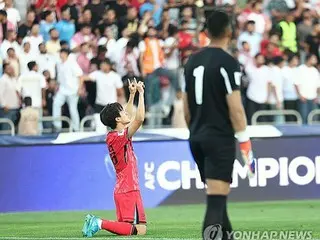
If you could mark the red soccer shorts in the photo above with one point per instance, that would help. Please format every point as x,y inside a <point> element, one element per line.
<point>129,207</point>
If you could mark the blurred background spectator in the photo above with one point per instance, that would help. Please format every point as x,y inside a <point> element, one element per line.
<point>277,43</point>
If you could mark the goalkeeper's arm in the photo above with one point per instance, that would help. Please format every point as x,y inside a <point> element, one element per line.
<point>239,123</point>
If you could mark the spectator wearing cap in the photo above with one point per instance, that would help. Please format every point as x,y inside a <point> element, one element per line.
<point>10,42</point>
<point>33,85</point>
<point>290,73</point>
<point>288,33</point>
<point>46,61</point>
<point>46,25</point>
<point>29,118</point>
<point>84,36</point>
<point>69,78</point>
<point>25,57</point>
<point>307,86</point>
<point>25,27</point>
<point>53,44</point>
<point>277,82</point>
<point>109,85</point>
<point>65,27</point>
<point>35,38</point>
<point>250,36</point>
<point>13,14</point>
<point>9,96</point>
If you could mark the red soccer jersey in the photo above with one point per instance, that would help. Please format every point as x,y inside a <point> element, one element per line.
<point>124,161</point>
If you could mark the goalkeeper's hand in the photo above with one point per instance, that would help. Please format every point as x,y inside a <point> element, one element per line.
<point>248,158</point>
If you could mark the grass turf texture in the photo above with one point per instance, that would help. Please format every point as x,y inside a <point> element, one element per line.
<point>169,221</point>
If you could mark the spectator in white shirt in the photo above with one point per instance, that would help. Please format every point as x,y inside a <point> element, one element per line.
<point>277,81</point>
<point>289,73</point>
<point>10,42</point>
<point>262,22</point>
<point>33,85</point>
<point>258,89</point>
<point>10,99</point>
<point>245,57</point>
<point>171,50</point>
<point>129,55</point>
<point>109,85</point>
<point>69,79</point>
<point>13,13</point>
<point>307,85</point>
<point>25,57</point>
<point>46,61</point>
<point>253,38</point>
<point>34,38</point>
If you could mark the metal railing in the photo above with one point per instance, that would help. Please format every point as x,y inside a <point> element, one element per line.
<point>11,124</point>
<point>53,119</point>
<point>311,116</point>
<point>83,122</point>
<point>256,115</point>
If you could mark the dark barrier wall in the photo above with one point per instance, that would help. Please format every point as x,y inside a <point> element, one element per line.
<point>81,177</point>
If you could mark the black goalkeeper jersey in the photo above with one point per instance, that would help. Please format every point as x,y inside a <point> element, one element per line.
<point>211,74</point>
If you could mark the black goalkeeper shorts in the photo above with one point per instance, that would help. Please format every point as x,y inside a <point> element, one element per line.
<point>214,158</point>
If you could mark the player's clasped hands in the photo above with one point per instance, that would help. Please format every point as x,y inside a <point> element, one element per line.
<point>134,86</point>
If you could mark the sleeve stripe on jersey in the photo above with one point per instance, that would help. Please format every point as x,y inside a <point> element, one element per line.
<point>226,80</point>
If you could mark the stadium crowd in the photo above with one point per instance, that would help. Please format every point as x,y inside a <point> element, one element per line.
<point>72,57</point>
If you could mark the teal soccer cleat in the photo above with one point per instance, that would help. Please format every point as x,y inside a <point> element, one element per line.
<point>90,226</point>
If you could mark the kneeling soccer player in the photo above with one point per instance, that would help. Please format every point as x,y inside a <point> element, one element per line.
<point>130,212</point>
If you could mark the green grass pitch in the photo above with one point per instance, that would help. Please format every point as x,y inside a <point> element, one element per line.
<point>168,222</point>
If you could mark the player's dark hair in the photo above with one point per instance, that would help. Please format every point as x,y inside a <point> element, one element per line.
<point>27,101</point>
<point>31,65</point>
<point>109,114</point>
<point>217,23</point>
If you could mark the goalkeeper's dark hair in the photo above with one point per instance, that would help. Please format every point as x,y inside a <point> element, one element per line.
<point>218,23</point>
<point>109,114</point>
